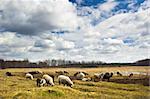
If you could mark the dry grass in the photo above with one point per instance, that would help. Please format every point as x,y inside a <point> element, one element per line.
<point>17,87</point>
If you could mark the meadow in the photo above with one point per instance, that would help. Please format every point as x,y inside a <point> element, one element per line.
<point>18,87</point>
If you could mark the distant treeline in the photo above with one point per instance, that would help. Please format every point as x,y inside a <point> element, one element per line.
<point>65,63</point>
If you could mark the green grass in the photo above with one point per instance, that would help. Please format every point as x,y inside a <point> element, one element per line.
<point>18,87</point>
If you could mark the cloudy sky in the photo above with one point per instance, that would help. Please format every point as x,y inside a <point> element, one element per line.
<point>106,30</point>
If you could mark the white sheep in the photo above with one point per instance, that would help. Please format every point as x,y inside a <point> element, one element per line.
<point>29,76</point>
<point>65,80</point>
<point>99,75</point>
<point>42,82</point>
<point>49,79</point>
<point>80,76</point>
<point>86,79</point>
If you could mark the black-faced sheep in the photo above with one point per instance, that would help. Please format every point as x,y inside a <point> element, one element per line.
<point>49,80</point>
<point>29,76</point>
<point>65,80</point>
<point>85,73</point>
<point>40,82</point>
<point>65,72</point>
<point>8,74</point>
<point>107,76</point>
<point>119,74</point>
<point>131,75</point>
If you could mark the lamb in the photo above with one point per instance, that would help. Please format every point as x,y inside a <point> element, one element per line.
<point>49,80</point>
<point>29,76</point>
<point>65,80</point>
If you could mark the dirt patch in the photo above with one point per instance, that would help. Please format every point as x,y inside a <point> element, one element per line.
<point>142,81</point>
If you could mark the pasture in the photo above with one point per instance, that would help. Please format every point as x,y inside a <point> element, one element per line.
<point>18,87</point>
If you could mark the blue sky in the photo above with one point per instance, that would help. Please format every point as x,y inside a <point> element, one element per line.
<point>105,30</point>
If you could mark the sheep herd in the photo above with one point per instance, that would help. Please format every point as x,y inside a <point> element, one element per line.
<point>65,79</point>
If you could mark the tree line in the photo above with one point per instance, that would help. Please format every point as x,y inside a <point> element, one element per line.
<point>65,63</point>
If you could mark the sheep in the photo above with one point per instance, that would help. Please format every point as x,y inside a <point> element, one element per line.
<point>85,73</point>
<point>65,80</point>
<point>40,82</point>
<point>79,75</point>
<point>65,72</point>
<point>8,74</point>
<point>29,76</point>
<point>52,76</point>
<point>131,75</point>
<point>49,79</point>
<point>98,76</point>
<point>86,79</point>
<point>119,74</point>
<point>107,76</point>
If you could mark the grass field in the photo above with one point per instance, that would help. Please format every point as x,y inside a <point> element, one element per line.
<point>18,87</point>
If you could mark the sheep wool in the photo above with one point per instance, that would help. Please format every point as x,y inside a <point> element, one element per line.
<point>29,76</point>
<point>80,76</point>
<point>48,79</point>
<point>65,80</point>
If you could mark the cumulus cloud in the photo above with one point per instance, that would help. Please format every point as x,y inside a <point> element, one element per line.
<point>36,16</point>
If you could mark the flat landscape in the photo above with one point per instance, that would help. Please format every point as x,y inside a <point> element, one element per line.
<point>18,87</point>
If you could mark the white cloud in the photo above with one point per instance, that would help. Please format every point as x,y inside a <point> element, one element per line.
<point>108,6</point>
<point>30,17</point>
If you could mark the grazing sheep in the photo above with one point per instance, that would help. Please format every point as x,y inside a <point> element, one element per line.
<point>119,74</point>
<point>79,75</point>
<point>85,73</point>
<point>49,79</point>
<point>8,74</point>
<point>98,76</point>
<point>52,76</point>
<point>40,82</point>
<point>131,75</point>
<point>65,72</point>
<point>65,80</point>
<point>107,76</point>
<point>29,76</point>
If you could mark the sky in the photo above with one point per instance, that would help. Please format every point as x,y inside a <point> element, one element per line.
<point>81,30</point>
